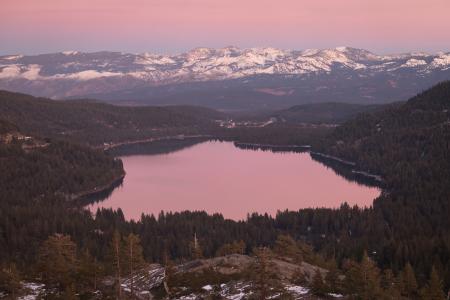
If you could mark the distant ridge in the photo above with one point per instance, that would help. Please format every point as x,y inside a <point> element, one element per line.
<point>96,123</point>
<point>227,78</point>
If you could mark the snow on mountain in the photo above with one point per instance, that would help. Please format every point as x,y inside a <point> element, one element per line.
<point>70,52</point>
<point>12,57</point>
<point>10,71</point>
<point>30,72</point>
<point>204,64</point>
<point>60,74</point>
<point>153,59</point>
<point>443,61</point>
<point>414,63</point>
<point>86,75</point>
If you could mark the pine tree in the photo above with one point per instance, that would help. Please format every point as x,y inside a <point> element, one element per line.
<point>69,293</point>
<point>318,286</point>
<point>10,280</point>
<point>57,261</point>
<point>362,279</point>
<point>133,257</point>
<point>238,247</point>
<point>89,270</point>
<point>353,280</point>
<point>370,276</point>
<point>233,248</point>
<point>116,250</point>
<point>169,275</point>
<point>409,286</point>
<point>264,275</point>
<point>390,285</point>
<point>298,277</point>
<point>332,279</point>
<point>196,249</point>
<point>433,290</point>
<point>286,246</point>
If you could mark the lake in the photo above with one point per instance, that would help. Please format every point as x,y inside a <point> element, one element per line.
<point>219,177</point>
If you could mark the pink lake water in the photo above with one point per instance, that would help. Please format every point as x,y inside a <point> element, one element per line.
<point>217,177</point>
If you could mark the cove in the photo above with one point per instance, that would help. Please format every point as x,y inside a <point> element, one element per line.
<point>218,177</point>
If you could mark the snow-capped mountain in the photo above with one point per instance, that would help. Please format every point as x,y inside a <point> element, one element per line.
<point>267,71</point>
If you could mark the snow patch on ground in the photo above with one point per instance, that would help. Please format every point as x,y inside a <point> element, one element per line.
<point>335,295</point>
<point>34,290</point>
<point>297,290</point>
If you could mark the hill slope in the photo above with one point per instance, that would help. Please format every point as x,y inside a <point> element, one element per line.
<point>96,123</point>
<point>331,112</point>
<point>387,140</point>
<point>409,146</point>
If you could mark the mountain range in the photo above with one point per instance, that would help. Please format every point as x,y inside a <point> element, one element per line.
<point>227,78</point>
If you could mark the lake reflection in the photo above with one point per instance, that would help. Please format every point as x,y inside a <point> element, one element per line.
<point>218,177</point>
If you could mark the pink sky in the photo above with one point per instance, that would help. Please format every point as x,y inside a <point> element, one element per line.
<point>37,26</point>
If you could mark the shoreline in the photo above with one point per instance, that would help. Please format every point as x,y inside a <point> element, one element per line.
<point>335,158</point>
<point>96,191</point>
<point>308,148</point>
<point>272,146</point>
<point>348,163</point>
<point>154,139</point>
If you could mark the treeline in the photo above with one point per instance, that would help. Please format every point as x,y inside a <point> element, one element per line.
<point>95,123</point>
<point>338,235</point>
<point>49,168</point>
<point>276,134</point>
<point>39,180</point>
<point>409,146</point>
<point>69,272</point>
<point>407,227</point>
<point>328,113</point>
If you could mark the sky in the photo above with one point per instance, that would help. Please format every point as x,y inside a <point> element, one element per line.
<point>174,26</point>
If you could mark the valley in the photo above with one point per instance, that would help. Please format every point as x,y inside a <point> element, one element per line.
<point>55,149</point>
<point>224,150</point>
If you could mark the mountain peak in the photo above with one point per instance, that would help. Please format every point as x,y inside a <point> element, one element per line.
<point>70,52</point>
<point>200,65</point>
<point>342,48</point>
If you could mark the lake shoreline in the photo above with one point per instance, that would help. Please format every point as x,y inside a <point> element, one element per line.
<point>108,147</point>
<point>186,179</point>
<point>241,145</point>
<point>271,145</point>
<point>98,190</point>
<point>356,171</point>
<point>308,148</point>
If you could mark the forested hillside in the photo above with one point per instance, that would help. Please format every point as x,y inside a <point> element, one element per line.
<point>331,112</point>
<point>6,127</point>
<point>409,146</point>
<point>39,175</point>
<point>97,123</point>
<point>398,249</point>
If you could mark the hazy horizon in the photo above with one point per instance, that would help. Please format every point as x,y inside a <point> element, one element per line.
<point>173,53</point>
<point>175,26</point>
